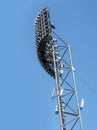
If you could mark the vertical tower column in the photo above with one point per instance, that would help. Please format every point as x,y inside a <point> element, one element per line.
<point>76,93</point>
<point>62,121</point>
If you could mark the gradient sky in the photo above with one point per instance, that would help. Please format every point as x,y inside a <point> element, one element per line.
<point>25,88</point>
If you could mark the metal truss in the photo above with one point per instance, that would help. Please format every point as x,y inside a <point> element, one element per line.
<point>68,106</point>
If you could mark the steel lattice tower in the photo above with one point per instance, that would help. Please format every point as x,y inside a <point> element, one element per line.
<point>55,57</point>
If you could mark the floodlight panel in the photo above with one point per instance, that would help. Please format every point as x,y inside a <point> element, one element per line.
<point>43,33</point>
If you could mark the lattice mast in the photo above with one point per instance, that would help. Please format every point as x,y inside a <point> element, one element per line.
<point>55,57</point>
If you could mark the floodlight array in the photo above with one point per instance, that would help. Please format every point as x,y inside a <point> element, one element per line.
<point>44,41</point>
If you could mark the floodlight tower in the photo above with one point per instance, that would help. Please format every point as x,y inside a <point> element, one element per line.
<point>55,57</point>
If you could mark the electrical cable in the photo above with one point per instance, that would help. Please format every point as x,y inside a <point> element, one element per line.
<point>88,85</point>
<point>92,89</point>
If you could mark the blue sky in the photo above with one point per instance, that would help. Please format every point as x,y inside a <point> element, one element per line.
<point>25,88</point>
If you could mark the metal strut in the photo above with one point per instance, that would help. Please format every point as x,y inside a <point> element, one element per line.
<point>62,121</point>
<point>76,93</point>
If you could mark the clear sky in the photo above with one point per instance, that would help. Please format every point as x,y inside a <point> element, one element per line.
<point>25,88</point>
